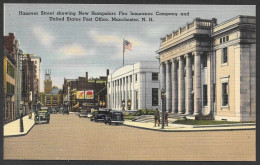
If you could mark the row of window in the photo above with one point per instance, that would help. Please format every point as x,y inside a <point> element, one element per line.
<point>125,80</point>
<point>155,96</point>
<point>224,39</point>
<point>225,89</point>
<point>10,70</point>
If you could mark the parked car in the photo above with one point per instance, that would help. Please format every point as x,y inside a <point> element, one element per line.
<point>83,114</point>
<point>42,116</point>
<point>116,117</point>
<point>93,114</point>
<point>100,115</point>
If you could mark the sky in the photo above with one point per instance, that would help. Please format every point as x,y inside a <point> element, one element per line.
<point>71,48</point>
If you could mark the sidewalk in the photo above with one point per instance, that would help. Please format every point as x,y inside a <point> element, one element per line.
<point>13,128</point>
<point>189,128</point>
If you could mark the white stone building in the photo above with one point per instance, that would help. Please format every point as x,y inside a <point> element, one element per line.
<point>209,69</point>
<point>133,87</point>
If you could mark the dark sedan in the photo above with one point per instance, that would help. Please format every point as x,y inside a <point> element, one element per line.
<point>100,115</point>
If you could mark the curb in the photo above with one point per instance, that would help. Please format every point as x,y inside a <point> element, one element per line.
<point>7,136</point>
<point>163,130</point>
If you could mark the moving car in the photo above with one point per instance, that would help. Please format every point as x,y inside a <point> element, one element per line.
<point>42,116</point>
<point>116,117</point>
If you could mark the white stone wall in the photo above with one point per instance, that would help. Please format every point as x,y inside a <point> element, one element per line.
<point>143,86</point>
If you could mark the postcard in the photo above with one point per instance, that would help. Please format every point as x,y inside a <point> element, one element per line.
<point>146,82</point>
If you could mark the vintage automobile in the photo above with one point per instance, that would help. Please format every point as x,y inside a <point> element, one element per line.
<point>83,114</point>
<point>116,117</point>
<point>42,116</point>
<point>100,115</point>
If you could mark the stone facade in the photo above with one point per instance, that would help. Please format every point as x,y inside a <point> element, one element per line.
<point>209,69</point>
<point>134,87</point>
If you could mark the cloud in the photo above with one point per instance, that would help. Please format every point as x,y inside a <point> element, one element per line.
<point>74,49</point>
<point>115,41</point>
<point>43,36</point>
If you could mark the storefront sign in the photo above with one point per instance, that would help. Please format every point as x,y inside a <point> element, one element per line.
<point>80,94</point>
<point>89,94</point>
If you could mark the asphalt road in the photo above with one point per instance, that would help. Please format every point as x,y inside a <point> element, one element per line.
<point>68,137</point>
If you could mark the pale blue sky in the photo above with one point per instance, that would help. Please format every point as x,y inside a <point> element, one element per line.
<point>70,49</point>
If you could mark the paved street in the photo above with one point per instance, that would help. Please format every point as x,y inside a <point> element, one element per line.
<point>68,137</point>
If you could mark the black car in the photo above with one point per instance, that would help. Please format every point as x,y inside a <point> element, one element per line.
<point>116,117</point>
<point>100,115</point>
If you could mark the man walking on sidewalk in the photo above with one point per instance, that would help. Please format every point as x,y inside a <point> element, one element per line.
<point>156,117</point>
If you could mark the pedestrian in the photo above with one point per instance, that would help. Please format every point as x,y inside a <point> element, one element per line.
<point>155,117</point>
<point>30,115</point>
<point>166,118</point>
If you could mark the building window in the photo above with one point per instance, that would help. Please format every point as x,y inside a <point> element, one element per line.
<point>136,77</point>
<point>204,61</point>
<point>155,97</point>
<point>224,39</point>
<point>225,94</point>
<point>10,70</point>
<point>10,88</point>
<point>154,76</point>
<point>205,95</point>
<point>224,55</point>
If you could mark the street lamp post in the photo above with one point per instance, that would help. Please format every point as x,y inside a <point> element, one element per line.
<point>21,120</point>
<point>23,87</point>
<point>163,106</point>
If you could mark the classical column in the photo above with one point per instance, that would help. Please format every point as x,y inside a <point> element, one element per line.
<point>168,88</point>
<point>188,86</point>
<point>174,87</point>
<point>197,84</point>
<point>181,89</point>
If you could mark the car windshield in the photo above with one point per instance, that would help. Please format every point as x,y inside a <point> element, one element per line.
<point>102,112</point>
<point>42,113</point>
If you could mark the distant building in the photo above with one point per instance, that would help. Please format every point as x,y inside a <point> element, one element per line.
<point>37,62</point>
<point>209,69</point>
<point>47,82</point>
<point>85,93</point>
<point>29,83</point>
<point>52,99</point>
<point>133,87</point>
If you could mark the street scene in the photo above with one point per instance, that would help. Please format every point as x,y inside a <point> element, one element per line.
<point>68,137</point>
<point>128,82</point>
